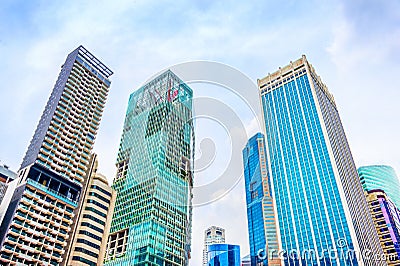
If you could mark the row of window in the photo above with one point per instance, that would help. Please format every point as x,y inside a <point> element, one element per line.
<point>96,211</point>
<point>92,227</point>
<point>99,197</point>
<point>101,189</point>
<point>97,204</point>
<point>87,252</point>
<point>89,234</point>
<point>89,243</point>
<point>88,216</point>
<point>88,262</point>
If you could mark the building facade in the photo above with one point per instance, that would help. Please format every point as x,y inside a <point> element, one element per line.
<point>152,217</point>
<point>40,214</point>
<point>223,254</point>
<point>246,261</point>
<point>212,235</point>
<point>381,177</point>
<point>263,237</point>
<point>386,218</point>
<point>8,183</point>
<point>88,241</point>
<point>320,203</point>
<point>6,176</point>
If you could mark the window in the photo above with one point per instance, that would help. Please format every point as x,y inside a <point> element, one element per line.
<point>86,233</point>
<point>92,227</point>
<point>254,194</point>
<point>89,243</point>
<point>88,216</point>
<point>89,262</point>
<point>87,252</point>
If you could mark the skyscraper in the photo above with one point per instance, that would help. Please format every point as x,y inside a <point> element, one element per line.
<point>319,199</point>
<point>263,238</point>
<point>381,177</point>
<point>386,218</point>
<point>40,214</point>
<point>152,216</point>
<point>212,235</point>
<point>88,241</point>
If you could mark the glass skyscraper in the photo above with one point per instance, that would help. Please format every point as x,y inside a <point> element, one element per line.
<point>319,199</point>
<point>39,217</point>
<point>152,216</point>
<point>223,255</point>
<point>261,220</point>
<point>381,177</point>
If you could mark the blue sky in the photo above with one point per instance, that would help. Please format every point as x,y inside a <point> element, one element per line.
<point>354,46</point>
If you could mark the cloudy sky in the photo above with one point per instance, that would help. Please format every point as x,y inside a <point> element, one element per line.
<point>354,46</point>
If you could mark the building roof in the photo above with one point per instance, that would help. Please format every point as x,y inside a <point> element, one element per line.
<point>6,173</point>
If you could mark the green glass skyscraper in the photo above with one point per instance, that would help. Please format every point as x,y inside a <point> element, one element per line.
<point>381,177</point>
<point>152,216</point>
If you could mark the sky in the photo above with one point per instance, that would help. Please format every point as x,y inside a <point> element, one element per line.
<point>354,46</point>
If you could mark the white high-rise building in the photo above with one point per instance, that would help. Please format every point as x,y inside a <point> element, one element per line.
<point>38,219</point>
<point>213,235</point>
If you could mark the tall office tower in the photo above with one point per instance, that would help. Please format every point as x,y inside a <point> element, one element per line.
<point>320,203</point>
<point>263,238</point>
<point>152,216</point>
<point>39,218</point>
<point>223,254</point>
<point>88,241</point>
<point>213,235</point>
<point>381,177</point>
<point>386,218</point>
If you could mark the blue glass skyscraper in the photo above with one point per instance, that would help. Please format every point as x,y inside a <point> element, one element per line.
<point>263,237</point>
<point>319,199</point>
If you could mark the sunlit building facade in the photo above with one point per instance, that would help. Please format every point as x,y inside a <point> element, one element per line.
<point>152,216</point>
<point>263,237</point>
<point>39,217</point>
<point>88,240</point>
<point>386,218</point>
<point>319,199</point>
